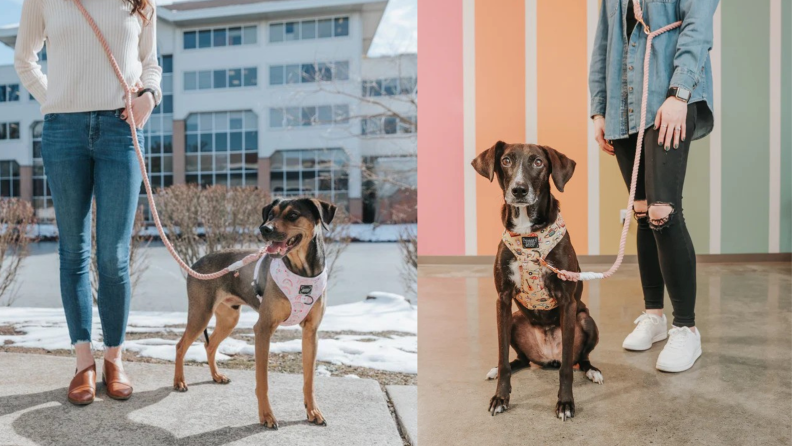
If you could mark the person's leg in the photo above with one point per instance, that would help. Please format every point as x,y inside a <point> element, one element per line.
<point>69,168</point>
<point>648,263</point>
<point>665,177</point>
<point>117,187</point>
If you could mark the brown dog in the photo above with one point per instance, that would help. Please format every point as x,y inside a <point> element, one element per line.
<point>565,334</point>
<point>294,228</point>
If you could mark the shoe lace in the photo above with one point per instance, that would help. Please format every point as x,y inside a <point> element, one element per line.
<point>677,337</point>
<point>644,321</point>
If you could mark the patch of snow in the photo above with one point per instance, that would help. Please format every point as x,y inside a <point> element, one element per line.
<point>46,328</point>
<point>322,371</point>
<point>352,376</point>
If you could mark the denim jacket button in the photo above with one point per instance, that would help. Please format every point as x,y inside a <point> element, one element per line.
<point>633,44</point>
<point>631,88</point>
<point>630,68</point>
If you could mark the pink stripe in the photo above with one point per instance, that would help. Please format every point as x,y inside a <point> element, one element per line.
<point>441,225</point>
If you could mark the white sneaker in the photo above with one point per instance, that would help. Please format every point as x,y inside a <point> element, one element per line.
<point>681,351</point>
<point>649,330</point>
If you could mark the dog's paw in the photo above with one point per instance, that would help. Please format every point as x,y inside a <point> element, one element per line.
<point>595,376</point>
<point>493,373</point>
<point>565,409</point>
<point>315,416</point>
<point>180,385</point>
<point>268,420</point>
<point>221,379</point>
<point>498,404</point>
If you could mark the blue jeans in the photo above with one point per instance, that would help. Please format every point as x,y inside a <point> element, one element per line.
<point>86,155</point>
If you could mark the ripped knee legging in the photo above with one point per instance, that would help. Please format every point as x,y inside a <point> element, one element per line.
<point>666,258</point>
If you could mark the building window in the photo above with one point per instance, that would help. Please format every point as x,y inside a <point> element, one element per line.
<point>9,93</point>
<point>9,130</point>
<point>217,79</point>
<point>308,29</point>
<point>320,173</point>
<point>219,37</point>
<point>222,148</point>
<point>309,72</point>
<point>309,116</point>
<point>42,197</point>
<point>387,125</point>
<point>9,179</point>
<point>390,87</point>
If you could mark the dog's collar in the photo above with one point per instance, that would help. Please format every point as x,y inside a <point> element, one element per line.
<point>530,250</point>
<point>302,292</point>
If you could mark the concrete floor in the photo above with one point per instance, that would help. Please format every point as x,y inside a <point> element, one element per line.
<point>738,392</point>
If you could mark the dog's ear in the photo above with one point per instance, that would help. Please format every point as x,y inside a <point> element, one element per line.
<point>266,210</point>
<point>485,162</point>
<point>561,167</point>
<point>325,212</point>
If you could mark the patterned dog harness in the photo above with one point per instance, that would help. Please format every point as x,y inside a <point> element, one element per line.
<point>302,292</point>
<point>531,250</point>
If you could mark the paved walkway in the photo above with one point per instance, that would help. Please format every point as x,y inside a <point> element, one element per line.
<point>34,409</point>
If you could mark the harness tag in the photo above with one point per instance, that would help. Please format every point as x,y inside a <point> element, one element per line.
<point>306,289</point>
<point>530,242</point>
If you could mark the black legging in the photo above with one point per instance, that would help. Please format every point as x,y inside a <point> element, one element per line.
<point>665,250</point>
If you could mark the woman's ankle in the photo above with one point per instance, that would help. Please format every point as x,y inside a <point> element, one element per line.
<point>655,311</point>
<point>84,355</point>
<point>113,354</point>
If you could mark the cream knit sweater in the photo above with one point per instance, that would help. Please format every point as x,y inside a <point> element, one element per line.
<point>79,77</point>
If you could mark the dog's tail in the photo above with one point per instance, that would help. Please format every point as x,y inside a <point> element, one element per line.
<point>206,335</point>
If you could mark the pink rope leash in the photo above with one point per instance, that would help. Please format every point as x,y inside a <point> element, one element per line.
<point>154,214</point>
<point>650,35</point>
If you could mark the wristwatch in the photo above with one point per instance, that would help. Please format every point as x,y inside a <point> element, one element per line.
<point>154,95</point>
<point>679,93</point>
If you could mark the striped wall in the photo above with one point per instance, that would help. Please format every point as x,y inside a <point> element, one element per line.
<point>508,70</point>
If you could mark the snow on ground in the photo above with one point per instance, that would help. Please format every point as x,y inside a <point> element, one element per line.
<point>358,232</point>
<point>46,328</point>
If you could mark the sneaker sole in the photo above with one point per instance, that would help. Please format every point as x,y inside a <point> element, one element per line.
<point>672,369</point>
<point>657,338</point>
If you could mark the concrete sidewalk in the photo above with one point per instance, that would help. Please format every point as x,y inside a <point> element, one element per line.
<point>34,409</point>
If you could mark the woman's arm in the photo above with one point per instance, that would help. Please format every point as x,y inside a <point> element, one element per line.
<point>147,49</point>
<point>30,40</point>
<point>694,43</point>
<point>598,64</point>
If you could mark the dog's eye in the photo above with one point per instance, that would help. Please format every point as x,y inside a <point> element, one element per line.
<point>294,216</point>
<point>538,163</point>
<point>506,161</point>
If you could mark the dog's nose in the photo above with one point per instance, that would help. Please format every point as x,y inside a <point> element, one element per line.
<point>519,191</point>
<point>266,229</point>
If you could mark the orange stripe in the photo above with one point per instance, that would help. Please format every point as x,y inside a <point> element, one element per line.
<point>500,100</point>
<point>562,98</point>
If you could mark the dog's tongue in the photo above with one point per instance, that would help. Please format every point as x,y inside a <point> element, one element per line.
<point>277,248</point>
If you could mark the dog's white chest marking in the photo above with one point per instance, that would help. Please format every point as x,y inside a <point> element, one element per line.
<point>522,223</point>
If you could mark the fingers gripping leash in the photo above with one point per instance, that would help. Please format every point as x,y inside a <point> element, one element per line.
<point>650,35</point>
<point>141,161</point>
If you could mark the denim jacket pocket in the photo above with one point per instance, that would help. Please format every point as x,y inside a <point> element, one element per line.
<point>613,6</point>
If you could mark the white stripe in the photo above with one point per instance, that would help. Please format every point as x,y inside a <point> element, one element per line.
<point>593,148</point>
<point>469,122</point>
<point>774,241</point>
<point>531,83</point>
<point>716,138</point>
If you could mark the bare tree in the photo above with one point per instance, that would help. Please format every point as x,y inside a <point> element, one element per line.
<point>408,246</point>
<point>138,254</point>
<point>337,239</point>
<point>16,216</point>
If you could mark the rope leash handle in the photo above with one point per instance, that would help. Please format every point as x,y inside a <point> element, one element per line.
<point>141,161</point>
<point>580,276</point>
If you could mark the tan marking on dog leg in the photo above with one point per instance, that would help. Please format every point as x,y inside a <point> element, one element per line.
<point>263,332</point>
<point>226,319</point>
<point>310,339</point>
<point>196,323</point>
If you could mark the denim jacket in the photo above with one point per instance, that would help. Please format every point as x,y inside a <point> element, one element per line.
<point>680,58</point>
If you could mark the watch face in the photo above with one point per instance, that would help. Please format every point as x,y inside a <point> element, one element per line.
<point>683,94</point>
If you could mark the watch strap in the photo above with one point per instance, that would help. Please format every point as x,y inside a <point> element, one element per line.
<point>679,93</point>
<point>153,94</point>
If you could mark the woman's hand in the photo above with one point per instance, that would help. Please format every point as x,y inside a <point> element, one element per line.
<point>142,107</point>
<point>671,122</point>
<point>599,135</point>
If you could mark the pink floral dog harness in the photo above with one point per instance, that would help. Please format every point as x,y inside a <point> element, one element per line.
<point>531,250</point>
<point>302,292</point>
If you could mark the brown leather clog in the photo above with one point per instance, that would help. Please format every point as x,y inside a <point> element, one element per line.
<point>119,387</point>
<point>82,388</point>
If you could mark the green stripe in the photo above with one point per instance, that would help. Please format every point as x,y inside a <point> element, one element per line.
<point>786,129</point>
<point>746,127</point>
<point>697,193</point>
